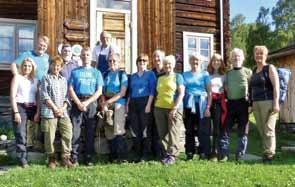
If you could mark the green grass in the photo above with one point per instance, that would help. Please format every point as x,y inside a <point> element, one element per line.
<point>192,173</point>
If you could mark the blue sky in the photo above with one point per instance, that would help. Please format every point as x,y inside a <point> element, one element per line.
<point>249,8</point>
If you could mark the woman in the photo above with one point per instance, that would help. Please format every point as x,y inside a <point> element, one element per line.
<point>216,69</point>
<point>141,95</point>
<point>23,93</point>
<point>168,110</point>
<point>116,83</point>
<point>264,92</point>
<point>197,109</point>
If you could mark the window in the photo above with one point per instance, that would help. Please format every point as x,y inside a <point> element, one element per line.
<point>197,43</point>
<point>114,4</point>
<point>16,36</point>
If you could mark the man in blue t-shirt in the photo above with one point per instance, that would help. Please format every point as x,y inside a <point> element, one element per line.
<point>39,55</point>
<point>85,86</point>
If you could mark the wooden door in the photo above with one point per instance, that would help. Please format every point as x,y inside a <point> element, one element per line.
<point>118,24</point>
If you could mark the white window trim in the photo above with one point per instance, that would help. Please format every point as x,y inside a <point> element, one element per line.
<point>6,66</point>
<point>94,32</point>
<point>186,66</point>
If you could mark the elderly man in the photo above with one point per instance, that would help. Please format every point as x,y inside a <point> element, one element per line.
<point>85,86</point>
<point>41,58</point>
<point>101,52</point>
<point>69,63</point>
<point>236,86</point>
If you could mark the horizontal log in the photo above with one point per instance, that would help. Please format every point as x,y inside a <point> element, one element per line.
<point>209,30</point>
<point>73,24</point>
<point>205,3</point>
<point>194,15</point>
<point>194,8</point>
<point>193,22</point>
<point>74,36</point>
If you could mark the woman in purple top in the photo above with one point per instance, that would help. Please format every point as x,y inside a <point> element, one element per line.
<point>141,95</point>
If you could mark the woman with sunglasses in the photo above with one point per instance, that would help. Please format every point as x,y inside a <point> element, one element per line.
<point>141,95</point>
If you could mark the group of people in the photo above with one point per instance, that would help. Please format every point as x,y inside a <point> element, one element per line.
<point>152,104</point>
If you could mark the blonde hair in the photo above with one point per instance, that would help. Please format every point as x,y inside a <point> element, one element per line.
<point>262,48</point>
<point>170,58</point>
<point>34,67</point>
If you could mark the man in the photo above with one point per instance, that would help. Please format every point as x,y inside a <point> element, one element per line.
<point>41,58</point>
<point>54,115</point>
<point>85,86</point>
<point>69,63</point>
<point>101,52</point>
<point>39,55</point>
<point>236,86</point>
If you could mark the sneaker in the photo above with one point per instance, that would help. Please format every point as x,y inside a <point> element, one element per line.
<point>169,160</point>
<point>88,161</point>
<point>223,158</point>
<point>214,158</point>
<point>189,156</point>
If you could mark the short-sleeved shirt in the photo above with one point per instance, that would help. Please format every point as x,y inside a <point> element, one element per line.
<point>26,90</point>
<point>53,88</point>
<point>85,81</point>
<point>217,82</point>
<point>68,68</point>
<point>196,83</point>
<point>167,90</point>
<point>144,85</point>
<point>237,82</point>
<point>42,62</point>
<point>112,84</point>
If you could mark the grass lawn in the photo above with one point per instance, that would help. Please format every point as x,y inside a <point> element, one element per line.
<point>192,173</point>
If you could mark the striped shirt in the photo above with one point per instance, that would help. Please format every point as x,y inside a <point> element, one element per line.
<point>54,88</point>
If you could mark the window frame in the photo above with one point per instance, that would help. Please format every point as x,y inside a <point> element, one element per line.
<point>17,23</point>
<point>197,36</point>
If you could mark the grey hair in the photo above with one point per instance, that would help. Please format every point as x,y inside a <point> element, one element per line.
<point>237,51</point>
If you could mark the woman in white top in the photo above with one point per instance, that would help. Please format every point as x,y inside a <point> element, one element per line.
<point>216,69</point>
<point>23,93</point>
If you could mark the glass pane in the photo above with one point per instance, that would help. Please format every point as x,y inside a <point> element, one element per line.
<point>204,43</point>
<point>6,43</point>
<point>191,42</point>
<point>205,53</point>
<point>114,4</point>
<point>25,45</point>
<point>6,56</point>
<point>26,32</point>
<point>6,31</point>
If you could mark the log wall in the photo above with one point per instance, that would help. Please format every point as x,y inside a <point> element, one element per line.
<point>203,17</point>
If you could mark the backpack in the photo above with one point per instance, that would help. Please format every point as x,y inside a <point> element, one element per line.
<point>284,77</point>
<point>121,72</point>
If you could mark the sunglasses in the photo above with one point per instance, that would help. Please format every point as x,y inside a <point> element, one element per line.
<point>142,60</point>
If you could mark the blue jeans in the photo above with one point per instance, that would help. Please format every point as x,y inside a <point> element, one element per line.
<point>237,111</point>
<point>88,121</point>
<point>20,132</point>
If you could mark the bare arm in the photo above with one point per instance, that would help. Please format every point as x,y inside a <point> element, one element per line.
<point>13,90</point>
<point>209,103</point>
<point>75,98</point>
<point>274,78</point>
<point>149,104</point>
<point>94,97</point>
<point>13,68</point>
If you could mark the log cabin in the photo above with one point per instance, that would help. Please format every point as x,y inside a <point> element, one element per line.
<point>179,27</point>
<point>285,57</point>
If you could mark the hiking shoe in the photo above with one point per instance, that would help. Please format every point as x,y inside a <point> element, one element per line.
<point>109,117</point>
<point>189,156</point>
<point>239,157</point>
<point>203,156</point>
<point>66,162</point>
<point>169,160</point>
<point>223,158</point>
<point>267,159</point>
<point>51,162</point>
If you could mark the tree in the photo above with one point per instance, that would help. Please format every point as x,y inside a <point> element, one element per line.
<point>283,15</point>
